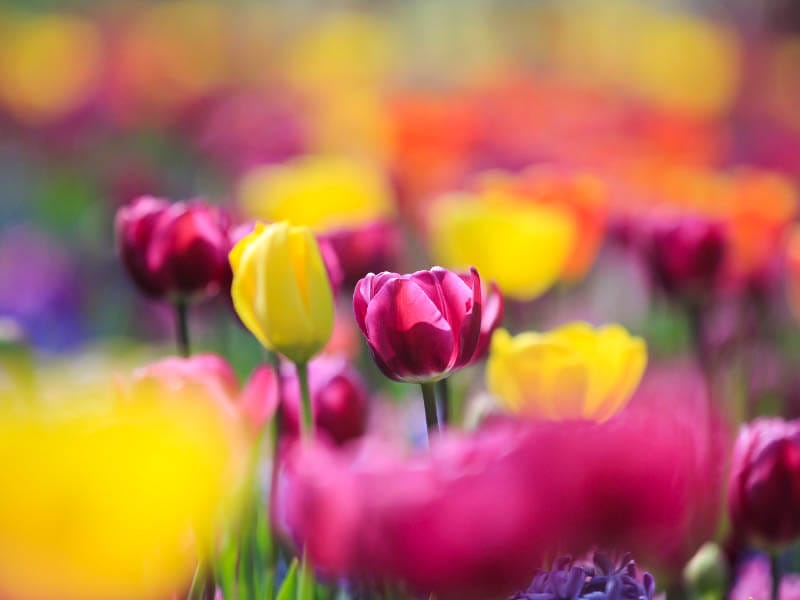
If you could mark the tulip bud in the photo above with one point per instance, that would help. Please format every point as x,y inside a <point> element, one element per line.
<point>686,256</point>
<point>420,327</point>
<point>281,290</point>
<point>338,399</point>
<point>764,488</point>
<point>572,372</point>
<point>175,251</point>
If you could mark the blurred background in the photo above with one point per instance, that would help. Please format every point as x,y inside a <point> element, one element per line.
<point>103,101</point>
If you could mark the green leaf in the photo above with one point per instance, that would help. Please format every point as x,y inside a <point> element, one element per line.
<point>305,580</point>
<point>288,589</point>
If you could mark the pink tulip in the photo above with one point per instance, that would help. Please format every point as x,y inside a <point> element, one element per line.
<point>475,516</point>
<point>365,249</point>
<point>339,399</point>
<point>420,327</point>
<point>174,250</point>
<point>764,490</point>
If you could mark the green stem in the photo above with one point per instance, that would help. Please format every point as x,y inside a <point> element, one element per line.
<point>429,399</point>
<point>182,326</point>
<point>443,394</point>
<point>775,568</point>
<point>307,421</point>
<point>197,591</point>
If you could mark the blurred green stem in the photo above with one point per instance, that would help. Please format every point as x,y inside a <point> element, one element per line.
<point>443,393</point>
<point>182,326</point>
<point>307,422</point>
<point>429,399</point>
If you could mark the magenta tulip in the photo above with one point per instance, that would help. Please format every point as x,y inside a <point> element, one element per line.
<point>365,249</point>
<point>339,399</point>
<point>175,251</point>
<point>764,490</point>
<point>420,327</point>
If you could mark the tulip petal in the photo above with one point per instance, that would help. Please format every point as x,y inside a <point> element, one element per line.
<point>244,289</point>
<point>407,333</point>
<point>492,309</point>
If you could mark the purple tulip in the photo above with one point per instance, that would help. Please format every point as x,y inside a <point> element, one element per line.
<point>420,327</point>
<point>764,490</point>
<point>365,249</point>
<point>174,250</point>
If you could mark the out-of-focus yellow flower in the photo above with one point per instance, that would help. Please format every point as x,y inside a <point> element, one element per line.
<point>318,192</point>
<point>113,493</point>
<point>50,65</point>
<point>574,371</point>
<point>281,290</point>
<point>524,248</point>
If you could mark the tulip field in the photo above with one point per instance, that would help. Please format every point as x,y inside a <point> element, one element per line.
<point>400,300</point>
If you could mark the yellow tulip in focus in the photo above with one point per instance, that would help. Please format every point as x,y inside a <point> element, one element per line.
<point>523,247</point>
<point>317,192</point>
<point>281,290</point>
<point>573,372</point>
<point>112,493</point>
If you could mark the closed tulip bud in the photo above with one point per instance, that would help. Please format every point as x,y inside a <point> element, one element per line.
<point>281,290</point>
<point>573,372</point>
<point>177,251</point>
<point>687,256</point>
<point>764,489</point>
<point>420,327</point>
<point>339,399</point>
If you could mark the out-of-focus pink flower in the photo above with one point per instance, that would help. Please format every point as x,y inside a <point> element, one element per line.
<point>422,326</point>
<point>339,399</point>
<point>370,248</point>
<point>492,316</point>
<point>686,254</point>
<point>754,580</point>
<point>259,398</point>
<point>174,250</point>
<point>474,517</point>
<point>209,370</point>
<point>764,489</point>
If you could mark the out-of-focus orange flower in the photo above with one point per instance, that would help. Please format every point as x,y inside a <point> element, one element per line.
<point>582,195</point>
<point>50,66</point>
<point>792,258</point>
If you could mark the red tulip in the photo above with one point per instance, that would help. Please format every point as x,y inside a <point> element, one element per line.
<point>420,327</point>
<point>339,399</point>
<point>764,490</point>
<point>174,250</point>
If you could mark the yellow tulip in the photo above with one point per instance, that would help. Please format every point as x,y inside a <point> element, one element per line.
<point>524,248</point>
<point>571,372</point>
<point>317,192</point>
<point>281,290</point>
<point>112,493</point>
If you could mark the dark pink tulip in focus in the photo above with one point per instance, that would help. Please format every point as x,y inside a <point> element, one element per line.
<point>420,327</point>
<point>174,250</point>
<point>764,491</point>
<point>339,399</point>
<point>475,516</point>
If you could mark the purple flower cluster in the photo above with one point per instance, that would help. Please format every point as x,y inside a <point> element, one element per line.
<point>602,581</point>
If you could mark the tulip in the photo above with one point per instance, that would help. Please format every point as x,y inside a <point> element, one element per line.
<point>494,233</point>
<point>686,256</point>
<point>371,512</point>
<point>339,399</point>
<point>420,327</point>
<point>317,192</point>
<point>281,290</point>
<point>571,372</point>
<point>117,489</point>
<point>764,487</point>
<point>174,251</point>
<point>369,248</point>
